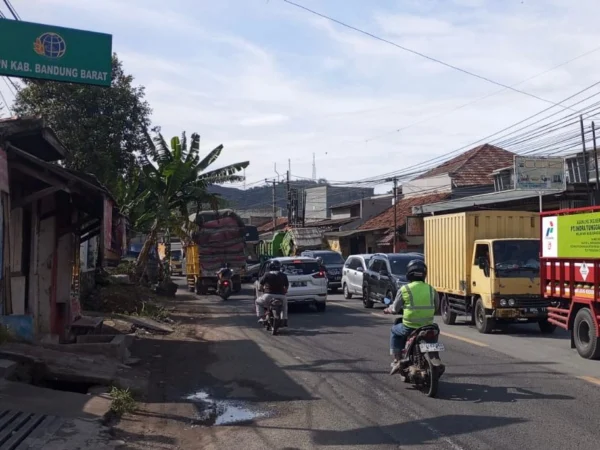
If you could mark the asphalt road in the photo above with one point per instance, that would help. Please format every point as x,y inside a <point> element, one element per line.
<point>324,383</point>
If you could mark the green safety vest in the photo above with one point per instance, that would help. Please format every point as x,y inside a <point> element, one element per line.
<point>419,304</point>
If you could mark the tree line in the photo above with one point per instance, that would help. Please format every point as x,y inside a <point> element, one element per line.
<point>108,133</point>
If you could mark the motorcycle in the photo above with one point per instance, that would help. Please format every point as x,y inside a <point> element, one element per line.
<point>224,287</point>
<point>421,364</point>
<point>274,316</point>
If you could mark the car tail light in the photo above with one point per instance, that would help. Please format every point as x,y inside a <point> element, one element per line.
<point>320,274</point>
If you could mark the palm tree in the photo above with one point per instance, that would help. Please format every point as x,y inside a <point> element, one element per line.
<point>175,177</point>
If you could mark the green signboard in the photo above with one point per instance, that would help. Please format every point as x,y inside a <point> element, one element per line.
<point>579,235</point>
<point>32,50</point>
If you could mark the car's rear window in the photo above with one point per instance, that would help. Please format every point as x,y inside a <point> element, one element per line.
<point>300,268</point>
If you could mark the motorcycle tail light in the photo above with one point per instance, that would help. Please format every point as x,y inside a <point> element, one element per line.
<point>225,283</point>
<point>319,275</point>
<point>430,335</point>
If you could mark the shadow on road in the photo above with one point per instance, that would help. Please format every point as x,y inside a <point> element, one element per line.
<point>482,393</point>
<point>421,432</point>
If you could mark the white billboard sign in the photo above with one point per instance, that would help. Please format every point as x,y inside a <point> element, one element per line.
<point>539,173</point>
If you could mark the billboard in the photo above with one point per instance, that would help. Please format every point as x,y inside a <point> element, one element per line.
<point>414,226</point>
<point>539,173</point>
<point>571,236</point>
<point>32,50</point>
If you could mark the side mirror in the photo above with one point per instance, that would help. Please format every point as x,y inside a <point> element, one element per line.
<point>360,269</point>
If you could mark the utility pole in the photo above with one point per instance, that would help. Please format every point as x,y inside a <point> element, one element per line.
<point>289,199</point>
<point>395,200</point>
<point>274,206</point>
<point>585,161</point>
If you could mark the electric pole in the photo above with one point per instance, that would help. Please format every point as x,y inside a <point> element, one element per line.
<point>289,199</point>
<point>274,206</point>
<point>395,200</point>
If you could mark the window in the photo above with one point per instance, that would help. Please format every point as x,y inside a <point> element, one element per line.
<point>330,258</point>
<point>351,263</point>
<point>300,267</point>
<point>376,265</point>
<point>482,250</point>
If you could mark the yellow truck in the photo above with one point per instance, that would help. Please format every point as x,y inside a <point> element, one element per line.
<point>486,267</point>
<point>176,256</point>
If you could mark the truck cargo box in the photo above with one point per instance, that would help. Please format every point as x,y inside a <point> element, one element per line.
<point>449,242</point>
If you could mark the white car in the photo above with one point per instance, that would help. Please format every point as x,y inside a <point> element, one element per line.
<point>352,275</point>
<point>308,285</point>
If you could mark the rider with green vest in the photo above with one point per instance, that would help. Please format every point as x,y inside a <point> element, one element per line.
<point>418,300</point>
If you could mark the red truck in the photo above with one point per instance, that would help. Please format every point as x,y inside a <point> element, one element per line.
<point>570,274</point>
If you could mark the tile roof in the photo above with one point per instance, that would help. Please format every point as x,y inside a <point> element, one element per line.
<point>279,222</point>
<point>473,167</point>
<point>403,209</point>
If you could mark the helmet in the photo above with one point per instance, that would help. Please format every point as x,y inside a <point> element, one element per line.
<point>274,266</point>
<point>225,265</point>
<point>416,270</point>
<point>320,260</point>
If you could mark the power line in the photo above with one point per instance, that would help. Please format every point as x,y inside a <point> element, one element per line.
<point>464,105</point>
<point>12,10</point>
<point>422,55</point>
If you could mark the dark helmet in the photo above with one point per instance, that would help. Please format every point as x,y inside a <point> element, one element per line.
<point>274,266</point>
<point>416,270</point>
<point>320,260</point>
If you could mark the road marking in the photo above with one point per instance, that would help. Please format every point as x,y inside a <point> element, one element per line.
<point>464,339</point>
<point>592,380</point>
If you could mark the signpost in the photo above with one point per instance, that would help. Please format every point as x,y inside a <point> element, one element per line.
<point>539,174</point>
<point>32,50</point>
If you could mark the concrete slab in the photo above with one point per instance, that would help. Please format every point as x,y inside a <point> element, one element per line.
<point>33,399</point>
<point>7,368</point>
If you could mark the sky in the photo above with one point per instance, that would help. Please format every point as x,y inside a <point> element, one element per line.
<point>273,83</point>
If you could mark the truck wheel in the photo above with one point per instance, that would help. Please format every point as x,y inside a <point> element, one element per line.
<point>546,327</point>
<point>584,333</point>
<point>484,324</point>
<point>448,317</point>
<point>367,303</point>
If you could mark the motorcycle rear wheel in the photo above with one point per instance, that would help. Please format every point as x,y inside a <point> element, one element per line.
<point>275,327</point>
<point>431,388</point>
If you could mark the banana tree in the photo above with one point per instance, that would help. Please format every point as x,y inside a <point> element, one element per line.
<point>175,176</point>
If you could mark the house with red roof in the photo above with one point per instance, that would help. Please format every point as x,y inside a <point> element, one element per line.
<point>470,173</point>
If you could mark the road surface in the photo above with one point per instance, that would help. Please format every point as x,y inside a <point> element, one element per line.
<point>324,383</point>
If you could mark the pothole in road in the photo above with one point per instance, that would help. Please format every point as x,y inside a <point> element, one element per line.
<point>223,412</point>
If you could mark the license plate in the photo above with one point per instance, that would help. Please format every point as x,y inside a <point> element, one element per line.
<point>425,348</point>
<point>298,283</point>
<point>336,278</point>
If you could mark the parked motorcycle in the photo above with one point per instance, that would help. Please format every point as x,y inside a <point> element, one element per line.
<point>421,364</point>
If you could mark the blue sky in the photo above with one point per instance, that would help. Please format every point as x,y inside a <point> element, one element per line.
<point>272,82</point>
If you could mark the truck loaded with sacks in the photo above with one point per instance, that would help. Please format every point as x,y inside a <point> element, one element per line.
<point>486,267</point>
<point>218,238</point>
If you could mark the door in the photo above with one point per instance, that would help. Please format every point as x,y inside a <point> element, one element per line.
<point>384,280</point>
<point>480,273</point>
<point>373,278</point>
<point>355,277</point>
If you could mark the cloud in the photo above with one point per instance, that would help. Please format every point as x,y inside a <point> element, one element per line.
<point>274,83</point>
<point>267,119</point>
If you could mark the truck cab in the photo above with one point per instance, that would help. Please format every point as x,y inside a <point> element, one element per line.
<point>504,284</point>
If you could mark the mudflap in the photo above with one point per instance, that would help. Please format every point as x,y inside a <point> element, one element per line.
<point>436,362</point>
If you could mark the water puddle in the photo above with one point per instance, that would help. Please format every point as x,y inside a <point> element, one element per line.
<point>223,412</point>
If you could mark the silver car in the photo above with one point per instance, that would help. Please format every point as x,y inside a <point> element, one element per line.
<point>352,275</point>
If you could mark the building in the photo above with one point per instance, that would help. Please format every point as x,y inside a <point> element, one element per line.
<point>320,199</point>
<point>465,175</point>
<point>258,216</point>
<point>46,212</point>
<point>360,210</point>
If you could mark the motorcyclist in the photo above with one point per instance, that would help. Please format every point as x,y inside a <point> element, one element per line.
<point>274,285</point>
<point>224,271</point>
<point>322,267</point>
<point>418,300</point>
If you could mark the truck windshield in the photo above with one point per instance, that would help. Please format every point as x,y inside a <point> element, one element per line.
<point>517,259</point>
<point>176,255</point>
